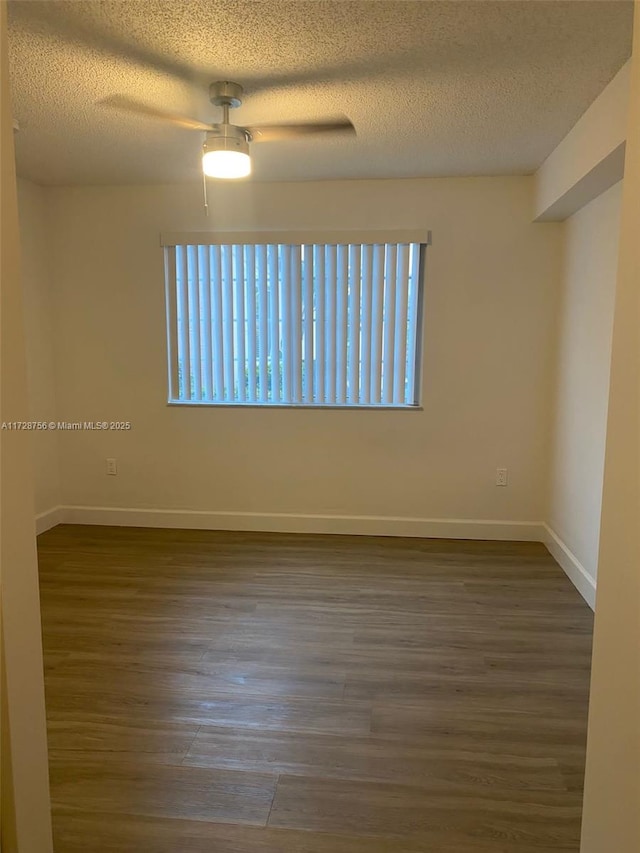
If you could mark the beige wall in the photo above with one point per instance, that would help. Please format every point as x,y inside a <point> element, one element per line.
<point>611,817</point>
<point>39,335</point>
<point>582,376</point>
<point>26,820</point>
<point>490,300</point>
<point>590,158</point>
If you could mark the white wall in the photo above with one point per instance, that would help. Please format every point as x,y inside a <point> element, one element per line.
<point>490,301</point>
<point>38,300</point>
<point>582,379</point>
<point>590,158</point>
<point>25,804</point>
<point>611,817</point>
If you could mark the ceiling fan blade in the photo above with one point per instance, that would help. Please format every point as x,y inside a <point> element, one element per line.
<point>129,105</point>
<point>283,132</point>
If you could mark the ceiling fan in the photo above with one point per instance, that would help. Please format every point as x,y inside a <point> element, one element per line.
<point>226,146</point>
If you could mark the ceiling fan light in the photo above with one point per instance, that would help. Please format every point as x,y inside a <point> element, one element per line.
<point>226,164</point>
<point>225,154</point>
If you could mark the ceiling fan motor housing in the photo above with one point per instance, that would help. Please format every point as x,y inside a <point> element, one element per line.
<point>226,137</point>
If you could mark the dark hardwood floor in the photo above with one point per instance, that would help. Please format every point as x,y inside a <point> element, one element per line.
<point>266,693</point>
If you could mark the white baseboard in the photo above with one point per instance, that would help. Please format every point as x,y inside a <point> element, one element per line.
<point>47,520</point>
<point>356,525</point>
<point>359,525</point>
<point>571,565</point>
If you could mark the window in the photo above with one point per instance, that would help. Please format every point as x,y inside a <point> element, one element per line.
<point>261,320</point>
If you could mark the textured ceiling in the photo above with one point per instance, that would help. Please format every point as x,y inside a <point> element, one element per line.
<point>433,87</point>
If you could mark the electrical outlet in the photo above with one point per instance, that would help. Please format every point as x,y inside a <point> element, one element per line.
<point>112,466</point>
<point>501,476</point>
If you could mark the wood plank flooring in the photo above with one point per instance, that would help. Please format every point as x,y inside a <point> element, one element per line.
<point>267,693</point>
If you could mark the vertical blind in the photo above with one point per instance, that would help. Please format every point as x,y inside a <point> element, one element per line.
<point>324,324</point>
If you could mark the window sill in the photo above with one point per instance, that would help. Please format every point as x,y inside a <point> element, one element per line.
<point>313,406</point>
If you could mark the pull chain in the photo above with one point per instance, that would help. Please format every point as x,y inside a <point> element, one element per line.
<point>204,193</point>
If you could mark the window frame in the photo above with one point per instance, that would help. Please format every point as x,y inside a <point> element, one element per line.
<point>254,238</point>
